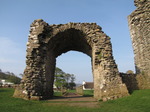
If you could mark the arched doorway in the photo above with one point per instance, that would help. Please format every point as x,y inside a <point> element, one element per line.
<point>70,39</point>
<point>47,42</point>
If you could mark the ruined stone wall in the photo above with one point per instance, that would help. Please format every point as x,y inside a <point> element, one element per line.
<point>47,42</point>
<point>135,81</point>
<point>139,24</point>
<point>130,81</point>
<point>79,90</point>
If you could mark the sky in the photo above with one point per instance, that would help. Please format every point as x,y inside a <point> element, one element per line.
<point>17,15</point>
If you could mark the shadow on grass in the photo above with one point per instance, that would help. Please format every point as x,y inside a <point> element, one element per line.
<point>3,90</point>
<point>87,95</point>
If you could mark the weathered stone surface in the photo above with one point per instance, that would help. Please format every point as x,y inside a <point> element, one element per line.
<point>47,42</point>
<point>139,24</point>
<point>135,81</point>
<point>139,3</point>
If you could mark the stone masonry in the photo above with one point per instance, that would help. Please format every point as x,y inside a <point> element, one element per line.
<point>139,24</point>
<point>47,42</point>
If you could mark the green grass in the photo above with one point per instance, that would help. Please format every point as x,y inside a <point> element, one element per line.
<point>71,91</point>
<point>139,101</point>
<point>87,93</point>
<point>57,94</point>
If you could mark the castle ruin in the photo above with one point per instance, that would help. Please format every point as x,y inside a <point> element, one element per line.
<point>139,23</point>
<point>47,42</point>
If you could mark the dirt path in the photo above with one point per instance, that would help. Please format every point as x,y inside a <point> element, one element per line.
<point>73,99</point>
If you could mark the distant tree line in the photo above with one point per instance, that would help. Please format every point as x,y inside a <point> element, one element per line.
<point>9,76</point>
<point>63,79</point>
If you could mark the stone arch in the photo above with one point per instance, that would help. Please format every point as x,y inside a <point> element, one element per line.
<point>46,42</point>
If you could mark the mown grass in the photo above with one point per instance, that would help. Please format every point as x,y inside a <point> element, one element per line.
<point>139,101</point>
<point>57,94</point>
<point>88,93</point>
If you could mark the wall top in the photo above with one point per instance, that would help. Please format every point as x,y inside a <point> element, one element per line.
<point>139,3</point>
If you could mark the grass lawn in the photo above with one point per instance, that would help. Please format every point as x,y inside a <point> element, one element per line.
<point>87,93</point>
<point>139,101</point>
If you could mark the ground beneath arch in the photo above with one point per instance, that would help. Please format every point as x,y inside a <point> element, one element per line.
<point>73,99</point>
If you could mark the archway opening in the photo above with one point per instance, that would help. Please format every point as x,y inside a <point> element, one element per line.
<point>79,65</point>
<point>76,63</point>
<point>68,40</point>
